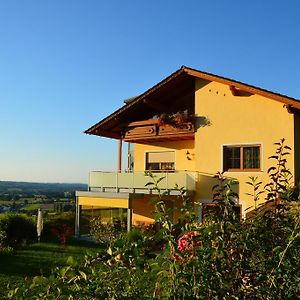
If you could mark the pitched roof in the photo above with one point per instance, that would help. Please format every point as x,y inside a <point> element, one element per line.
<point>181,80</point>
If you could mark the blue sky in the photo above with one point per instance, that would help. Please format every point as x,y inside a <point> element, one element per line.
<point>64,65</point>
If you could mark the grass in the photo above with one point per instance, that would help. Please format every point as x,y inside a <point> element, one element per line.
<point>39,259</point>
<point>33,206</point>
<point>2,215</point>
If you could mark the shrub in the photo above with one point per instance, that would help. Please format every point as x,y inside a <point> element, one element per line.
<point>53,220</point>
<point>61,226</point>
<point>104,233</point>
<point>17,230</point>
<point>62,232</point>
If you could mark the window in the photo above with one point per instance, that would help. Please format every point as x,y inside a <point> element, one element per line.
<point>160,161</point>
<point>241,158</point>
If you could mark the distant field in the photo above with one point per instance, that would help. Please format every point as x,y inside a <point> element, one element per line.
<point>33,206</point>
<point>4,202</point>
<point>20,201</point>
<point>35,188</point>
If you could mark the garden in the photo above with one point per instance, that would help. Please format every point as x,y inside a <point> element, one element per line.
<point>21,257</point>
<point>224,257</point>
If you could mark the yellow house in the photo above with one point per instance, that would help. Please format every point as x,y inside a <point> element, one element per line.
<point>189,126</point>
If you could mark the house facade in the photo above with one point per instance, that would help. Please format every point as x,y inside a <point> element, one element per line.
<point>186,128</point>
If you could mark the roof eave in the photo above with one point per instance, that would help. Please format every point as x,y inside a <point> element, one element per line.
<point>136,100</point>
<point>286,100</point>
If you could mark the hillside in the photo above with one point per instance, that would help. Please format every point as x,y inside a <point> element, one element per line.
<point>27,197</point>
<point>33,188</point>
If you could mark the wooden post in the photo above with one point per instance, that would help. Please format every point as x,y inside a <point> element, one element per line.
<point>120,155</point>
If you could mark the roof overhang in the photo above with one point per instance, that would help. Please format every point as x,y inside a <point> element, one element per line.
<point>160,98</point>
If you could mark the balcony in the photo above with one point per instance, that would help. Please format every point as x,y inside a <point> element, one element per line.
<point>149,131</point>
<point>112,182</point>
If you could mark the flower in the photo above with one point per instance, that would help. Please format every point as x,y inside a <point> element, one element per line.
<point>178,119</point>
<point>188,242</point>
<point>186,246</point>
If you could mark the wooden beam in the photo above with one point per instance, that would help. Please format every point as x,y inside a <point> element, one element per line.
<point>291,110</point>
<point>120,155</point>
<point>165,138</point>
<point>239,92</point>
<point>234,91</point>
<point>109,134</point>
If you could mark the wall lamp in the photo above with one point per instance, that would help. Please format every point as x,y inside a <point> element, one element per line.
<point>188,155</point>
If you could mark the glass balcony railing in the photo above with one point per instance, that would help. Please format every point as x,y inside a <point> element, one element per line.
<point>134,182</point>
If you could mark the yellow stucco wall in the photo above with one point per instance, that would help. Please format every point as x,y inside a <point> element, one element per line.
<point>180,148</point>
<point>249,119</point>
<point>142,211</point>
<point>297,146</point>
<point>143,208</point>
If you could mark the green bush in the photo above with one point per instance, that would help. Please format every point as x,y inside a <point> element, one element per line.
<point>17,230</point>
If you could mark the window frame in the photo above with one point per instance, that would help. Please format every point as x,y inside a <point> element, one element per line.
<point>159,170</point>
<point>241,147</point>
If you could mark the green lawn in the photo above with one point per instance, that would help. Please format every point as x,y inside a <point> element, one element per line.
<point>39,259</point>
